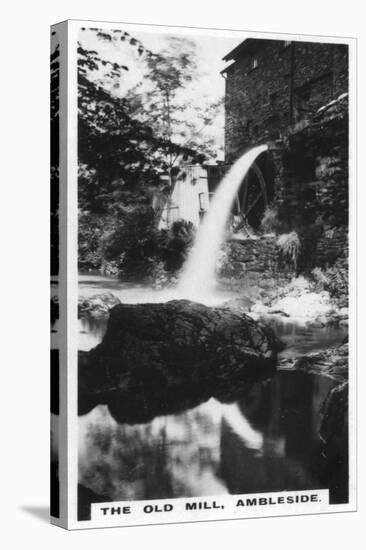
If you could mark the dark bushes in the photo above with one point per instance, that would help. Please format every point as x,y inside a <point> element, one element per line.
<point>133,246</point>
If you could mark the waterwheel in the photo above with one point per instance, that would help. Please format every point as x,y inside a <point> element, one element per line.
<point>252,198</point>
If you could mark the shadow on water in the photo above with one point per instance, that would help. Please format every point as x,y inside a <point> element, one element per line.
<point>288,412</point>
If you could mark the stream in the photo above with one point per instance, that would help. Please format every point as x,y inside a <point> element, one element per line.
<point>266,441</point>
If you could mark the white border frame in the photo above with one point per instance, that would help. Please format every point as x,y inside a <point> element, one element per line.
<point>73,27</point>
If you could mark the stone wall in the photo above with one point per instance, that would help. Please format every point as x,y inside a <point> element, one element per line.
<point>311,176</point>
<point>332,186</point>
<point>332,246</point>
<point>257,256</point>
<point>262,257</point>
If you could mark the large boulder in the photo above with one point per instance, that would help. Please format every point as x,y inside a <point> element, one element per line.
<point>163,358</point>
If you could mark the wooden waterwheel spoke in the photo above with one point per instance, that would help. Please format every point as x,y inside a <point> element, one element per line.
<point>245,192</point>
<point>260,194</point>
<point>237,204</point>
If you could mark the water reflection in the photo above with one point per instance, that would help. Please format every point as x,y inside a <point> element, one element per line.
<point>263,438</point>
<point>170,456</point>
<point>91,332</point>
<point>267,441</point>
<point>287,412</point>
<point>55,401</point>
<point>302,339</point>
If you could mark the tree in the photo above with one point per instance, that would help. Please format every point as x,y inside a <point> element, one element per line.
<point>169,72</point>
<point>124,146</point>
<point>167,110</point>
<point>123,153</point>
<point>116,153</point>
<point>194,129</point>
<point>164,108</point>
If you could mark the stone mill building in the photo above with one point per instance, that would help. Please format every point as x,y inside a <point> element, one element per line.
<point>293,97</point>
<point>275,85</point>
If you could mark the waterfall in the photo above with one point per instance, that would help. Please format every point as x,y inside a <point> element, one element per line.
<point>198,277</point>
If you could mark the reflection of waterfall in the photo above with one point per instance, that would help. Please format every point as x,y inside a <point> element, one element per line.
<point>199,273</point>
<point>251,438</point>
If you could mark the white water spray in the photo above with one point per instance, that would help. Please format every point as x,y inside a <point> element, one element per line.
<point>198,278</point>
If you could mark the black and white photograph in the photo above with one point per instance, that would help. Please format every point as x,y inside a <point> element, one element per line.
<point>214,377</point>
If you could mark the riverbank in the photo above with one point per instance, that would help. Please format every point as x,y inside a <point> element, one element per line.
<point>305,317</point>
<point>303,301</point>
<point>319,299</point>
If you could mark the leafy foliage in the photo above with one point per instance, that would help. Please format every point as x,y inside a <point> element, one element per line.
<point>124,146</point>
<point>139,249</point>
<point>115,151</point>
<point>271,222</point>
<point>91,230</point>
<point>175,243</point>
<point>333,279</point>
<point>164,110</point>
<point>123,151</point>
<point>289,245</point>
<point>132,244</point>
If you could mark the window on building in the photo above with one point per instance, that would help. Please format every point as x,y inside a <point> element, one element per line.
<point>172,214</point>
<point>202,199</point>
<point>302,103</point>
<point>305,94</point>
<point>254,63</point>
<point>273,99</point>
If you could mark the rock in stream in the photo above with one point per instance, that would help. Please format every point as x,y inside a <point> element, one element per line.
<point>162,358</point>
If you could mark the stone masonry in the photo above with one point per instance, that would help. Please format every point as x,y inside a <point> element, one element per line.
<point>273,84</point>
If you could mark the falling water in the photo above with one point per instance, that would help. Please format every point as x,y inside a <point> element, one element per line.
<point>198,278</point>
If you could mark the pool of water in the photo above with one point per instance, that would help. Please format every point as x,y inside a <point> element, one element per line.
<point>298,338</point>
<point>267,440</point>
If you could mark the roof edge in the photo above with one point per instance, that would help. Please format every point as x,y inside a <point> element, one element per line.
<point>248,45</point>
